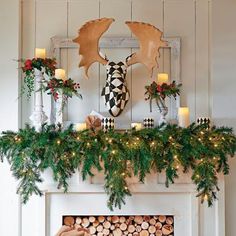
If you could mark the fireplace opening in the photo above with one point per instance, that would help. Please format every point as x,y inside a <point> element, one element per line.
<point>119,225</point>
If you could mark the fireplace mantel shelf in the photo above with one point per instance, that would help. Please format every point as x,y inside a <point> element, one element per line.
<point>150,185</point>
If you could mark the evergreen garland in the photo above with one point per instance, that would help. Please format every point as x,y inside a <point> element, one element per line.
<point>165,148</point>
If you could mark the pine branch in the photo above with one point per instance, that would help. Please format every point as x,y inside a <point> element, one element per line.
<point>119,155</point>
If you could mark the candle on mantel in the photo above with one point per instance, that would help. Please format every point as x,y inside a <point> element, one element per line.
<point>184,118</point>
<point>60,74</point>
<point>136,126</point>
<point>162,78</point>
<point>40,53</point>
<point>80,126</point>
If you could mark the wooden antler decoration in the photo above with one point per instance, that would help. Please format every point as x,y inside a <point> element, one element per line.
<point>115,91</point>
<point>88,39</point>
<point>150,42</point>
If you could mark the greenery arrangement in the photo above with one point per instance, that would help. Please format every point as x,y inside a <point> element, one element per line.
<point>67,88</point>
<point>46,65</point>
<point>165,148</point>
<point>159,92</point>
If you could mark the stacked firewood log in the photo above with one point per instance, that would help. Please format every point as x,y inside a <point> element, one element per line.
<point>123,225</point>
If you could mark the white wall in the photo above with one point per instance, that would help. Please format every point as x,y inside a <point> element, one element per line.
<point>224,88</point>
<point>9,48</point>
<point>188,19</point>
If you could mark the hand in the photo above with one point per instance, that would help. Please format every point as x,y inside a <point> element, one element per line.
<point>83,230</point>
<point>63,229</point>
<point>74,233</point>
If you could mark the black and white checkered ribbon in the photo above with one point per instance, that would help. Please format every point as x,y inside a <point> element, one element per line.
<point>148,122</point>
<point>108,123</point>
<point>204,120</point>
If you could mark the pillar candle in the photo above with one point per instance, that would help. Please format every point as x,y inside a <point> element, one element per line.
<point>162,78</point>
<point>183,115</point>
<point>60,74</point>
<point>136,126</point>
<point>40,53</point>
<point>80,126</point>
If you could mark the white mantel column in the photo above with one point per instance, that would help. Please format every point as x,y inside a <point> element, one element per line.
<point>9,109</point>
<point>38,116</point>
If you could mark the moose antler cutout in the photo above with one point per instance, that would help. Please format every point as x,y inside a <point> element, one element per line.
<point>115,91</point>
<point>150,42</point>
<point>88,39</point>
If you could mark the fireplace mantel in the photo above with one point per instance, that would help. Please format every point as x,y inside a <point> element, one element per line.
<point>151,197</point>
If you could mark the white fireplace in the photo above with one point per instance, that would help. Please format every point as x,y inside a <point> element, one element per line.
<point>151,198</point>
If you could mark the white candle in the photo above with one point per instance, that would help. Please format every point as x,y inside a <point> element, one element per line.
<point>60,74</point>
<point>162,78</point>
<point>184,118</point>
<point>40,53</point>
<point>80,126</point>
<point>136,126</point>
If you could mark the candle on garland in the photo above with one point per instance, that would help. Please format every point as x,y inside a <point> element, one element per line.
<point>136,126</point>
<point>60,74</point>
<point>184,118</point>
<point>162,78</point>
<point>80,126</point>
<point>40,53</point>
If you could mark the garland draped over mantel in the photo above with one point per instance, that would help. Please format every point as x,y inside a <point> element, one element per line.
<point>165,148</point>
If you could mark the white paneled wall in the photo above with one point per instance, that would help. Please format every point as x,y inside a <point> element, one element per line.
<point>187,19</point>
<point>9,109</point>
<point>224,89</point>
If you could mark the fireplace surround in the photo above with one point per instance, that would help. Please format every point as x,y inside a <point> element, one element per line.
<point>88,198</point>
